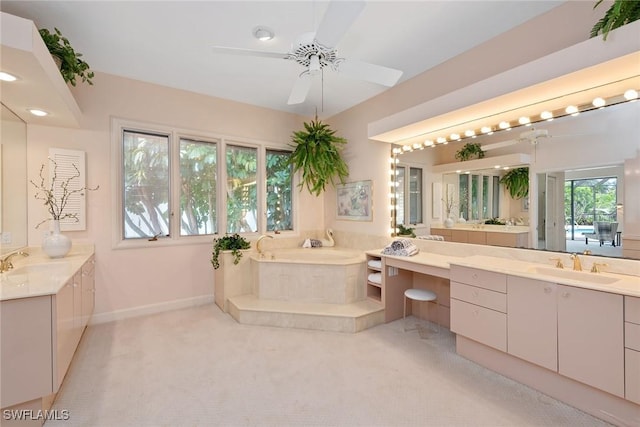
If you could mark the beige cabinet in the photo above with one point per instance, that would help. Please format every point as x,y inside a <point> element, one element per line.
<point>479,306</point>
<point>574,331</point>
<point>39,336</point>
<point>532,321</point>
<point>25,350</point>
<point>632,348</point>
<point>590,338</point>
<point>88,291</point>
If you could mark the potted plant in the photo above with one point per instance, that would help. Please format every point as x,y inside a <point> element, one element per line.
<point>234,243</point>
<point>470,150</point>
<point>620,13</point>
<point>71,66</point>
<point>406,231</point>
<point>517,182</point>
<point>317,153</point>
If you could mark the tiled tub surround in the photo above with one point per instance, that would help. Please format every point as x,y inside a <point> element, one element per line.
<point>316,288</point>
<point>45,306</point>
<point>318,275</point>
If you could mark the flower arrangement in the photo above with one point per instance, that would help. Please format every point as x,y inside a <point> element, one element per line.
<point>56,196</point>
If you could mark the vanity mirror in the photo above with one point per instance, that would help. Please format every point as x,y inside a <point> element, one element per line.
<point>13,184</point>
<point>587,150</point>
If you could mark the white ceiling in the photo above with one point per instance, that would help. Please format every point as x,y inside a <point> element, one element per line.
<point>169,42</point>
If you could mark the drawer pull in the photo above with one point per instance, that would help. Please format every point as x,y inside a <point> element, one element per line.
<point>474,293</point>
<point>547,289</point>
<point>476,313</point>
<point>474,275</point>
<point>566,294</point>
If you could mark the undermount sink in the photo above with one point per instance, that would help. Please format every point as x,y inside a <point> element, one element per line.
<point>574,275</point>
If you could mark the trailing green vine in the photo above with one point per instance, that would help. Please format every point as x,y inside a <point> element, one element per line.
<point>234,243</point>
<point>517,182</point>
<point>317,154</point>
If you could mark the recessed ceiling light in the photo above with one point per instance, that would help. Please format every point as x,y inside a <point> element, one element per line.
<point>6,77</point>
<point>263,33</point>
<point>36,112</point>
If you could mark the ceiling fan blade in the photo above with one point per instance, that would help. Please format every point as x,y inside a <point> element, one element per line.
<point>300,89</point>
<point>247,52</point>
<point>370,72</point>
<point>337,20</point>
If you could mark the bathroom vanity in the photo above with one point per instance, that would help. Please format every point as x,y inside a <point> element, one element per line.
<point>45,306</point>
<point>574,335</point>
<point>516,236</point>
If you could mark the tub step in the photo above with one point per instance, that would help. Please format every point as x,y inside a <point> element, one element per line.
<point>354,317</point>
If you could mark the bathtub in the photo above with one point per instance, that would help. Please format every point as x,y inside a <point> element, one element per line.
<point>316,275</point>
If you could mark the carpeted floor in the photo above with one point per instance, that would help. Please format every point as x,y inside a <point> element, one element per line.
<point>198,367</point>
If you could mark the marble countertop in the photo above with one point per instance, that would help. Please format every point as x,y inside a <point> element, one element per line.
<point>607,282</point>
<point>38,275</point>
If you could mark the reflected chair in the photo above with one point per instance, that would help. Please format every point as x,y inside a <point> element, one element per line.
<point>606,231</point>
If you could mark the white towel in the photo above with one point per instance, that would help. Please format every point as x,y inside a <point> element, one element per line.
<point>401,247</point>
<point>432,237</point>
<point>375,263</point>
<point>375,278</point>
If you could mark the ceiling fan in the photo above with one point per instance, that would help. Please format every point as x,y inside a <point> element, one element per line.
<point>315,51</point>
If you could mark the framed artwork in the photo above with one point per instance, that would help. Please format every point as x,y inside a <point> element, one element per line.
<point>354,201</point>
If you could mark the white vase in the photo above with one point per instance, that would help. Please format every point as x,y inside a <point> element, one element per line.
<point>56,245</point>
<point>448,223</point>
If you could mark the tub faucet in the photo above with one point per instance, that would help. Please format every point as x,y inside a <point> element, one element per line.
<point>264,236</point>
<point>5,263</point>
<point>577,265</point>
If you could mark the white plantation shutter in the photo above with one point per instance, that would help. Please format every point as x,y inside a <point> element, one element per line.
<point>65,160</point>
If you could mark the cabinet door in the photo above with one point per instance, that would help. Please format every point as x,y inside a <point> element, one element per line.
<point>25,349</point>
<point>632,373</point>
<point>481,324</point>
<point>477,237</point>
<point>64,338</point>
<point>590,338</point>
<point>460,236</point>
<point>88,291</point>
<point>532,321</point>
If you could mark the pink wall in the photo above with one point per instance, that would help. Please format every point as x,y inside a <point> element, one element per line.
<point>131,278</point>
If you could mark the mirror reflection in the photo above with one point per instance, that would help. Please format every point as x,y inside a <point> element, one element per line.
<point>576,182</point>
<point>13,185</point>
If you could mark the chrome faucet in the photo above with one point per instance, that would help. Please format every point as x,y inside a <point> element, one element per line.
<point>264,236</point>
<point>5,263</point>
<point>577,265</point>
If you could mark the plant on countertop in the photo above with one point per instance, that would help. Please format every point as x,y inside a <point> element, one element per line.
<point>469,151</point>
<point>317,154</point>
<point>57,195</point>
<point>494,221</point>
<point>71,66</point>
<point>517,182</point>
<point>620,13</point>
<point>234,243</point>
<point>406,231</point>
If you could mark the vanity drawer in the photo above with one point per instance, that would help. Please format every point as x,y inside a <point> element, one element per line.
<point>480,324</point>
<point>479,296</point>
<point>632,336</point>
<point>632,373</point>
<point>481,278</point>
<point>632,309</point>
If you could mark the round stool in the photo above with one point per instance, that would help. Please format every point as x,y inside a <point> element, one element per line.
<point>420,295</point>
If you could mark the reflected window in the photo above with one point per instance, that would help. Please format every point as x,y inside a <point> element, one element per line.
<point>479,196</point>
<point>409,198</point>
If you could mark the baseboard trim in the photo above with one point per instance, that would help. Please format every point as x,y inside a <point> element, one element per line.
<point>145,310</point>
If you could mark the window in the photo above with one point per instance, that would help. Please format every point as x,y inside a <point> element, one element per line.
<point>146,198</point>
<point>409,195</point>
<point>279,190</point>
<point>479,196</point>
<point>176,187</point>
<point>242,192</point>
<point>587,201</point>
<point>198,178</point>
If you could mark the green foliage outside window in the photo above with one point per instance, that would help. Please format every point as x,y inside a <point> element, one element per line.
<point>593,200</point>
<point>279,184</point>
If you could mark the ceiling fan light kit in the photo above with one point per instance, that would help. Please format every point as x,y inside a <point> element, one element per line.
<point>263,33</point>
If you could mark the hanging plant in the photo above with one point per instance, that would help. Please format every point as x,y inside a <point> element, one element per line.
<point>517,182</point>
<point>234,243</point>
<point>317,154</point>
<point>469,151</point>
<point>620,13</point>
